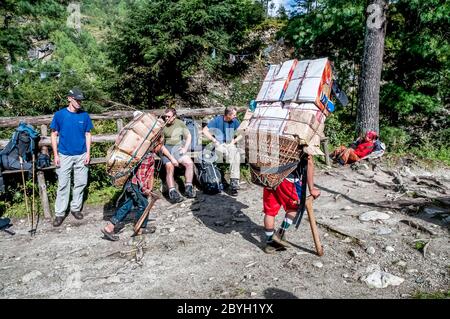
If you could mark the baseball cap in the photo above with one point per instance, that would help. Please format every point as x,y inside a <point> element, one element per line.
<point>76,94</point>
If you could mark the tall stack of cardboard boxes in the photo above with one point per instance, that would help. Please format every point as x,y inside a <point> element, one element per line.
<point>292,105</point>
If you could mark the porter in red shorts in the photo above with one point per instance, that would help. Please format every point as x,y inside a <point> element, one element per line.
<point>286,195</point>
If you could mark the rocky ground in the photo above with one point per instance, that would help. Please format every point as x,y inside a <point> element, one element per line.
<point>211,247</point>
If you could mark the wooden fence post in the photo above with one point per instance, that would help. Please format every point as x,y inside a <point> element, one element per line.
<point>41,180</point>
<point>324,143</point>
<point>119,125</point>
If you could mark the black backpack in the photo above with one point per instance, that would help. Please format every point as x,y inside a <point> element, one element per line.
<point>21,145</point>
<point>209,175</point>
<point>2,182</point>
<point>193,129</point>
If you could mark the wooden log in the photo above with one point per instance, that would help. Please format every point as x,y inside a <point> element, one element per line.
<point>46,141</point>
<point>94,161</point>
<point>119,123</point>
<point>113,115</point>
<point>43,195</point>
<point>41,178</point>
<point>324,143</point>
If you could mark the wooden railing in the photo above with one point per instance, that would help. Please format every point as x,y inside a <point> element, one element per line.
<point>44,120</point>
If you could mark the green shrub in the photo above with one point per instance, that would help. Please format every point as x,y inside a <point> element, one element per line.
<point>396,139</point>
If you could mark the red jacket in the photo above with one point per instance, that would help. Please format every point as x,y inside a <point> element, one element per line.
<point>364,149</point>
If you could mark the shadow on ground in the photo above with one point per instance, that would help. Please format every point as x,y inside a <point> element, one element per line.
<point>275,293</point>
<point>223,214</point>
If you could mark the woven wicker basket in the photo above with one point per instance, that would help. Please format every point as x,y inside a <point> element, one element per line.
<point>136,139</point>
<point>119,165</point>
<point>268,150</point>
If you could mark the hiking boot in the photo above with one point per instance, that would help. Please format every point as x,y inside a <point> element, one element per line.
<point>189,191</point>
<point>77,215</point>
<point>233,191</point>
<point>273,247</point>
<point>281,240</point>
<point>58,221</point>
<point>175,196</point>
<point>235,183</point>
<point>234,187</point>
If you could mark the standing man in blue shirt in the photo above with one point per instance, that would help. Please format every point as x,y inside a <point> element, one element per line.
<point>72,152</point>
<point>221,130</point>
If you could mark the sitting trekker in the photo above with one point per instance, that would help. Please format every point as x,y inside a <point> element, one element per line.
<point>178,141</point>
<point>361,148</point>
<point>221,131</point>
<point>136,191</point>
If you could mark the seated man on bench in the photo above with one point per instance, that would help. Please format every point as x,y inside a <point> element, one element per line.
<point>177,141</point>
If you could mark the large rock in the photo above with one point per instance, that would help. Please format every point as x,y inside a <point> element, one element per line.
<point>383,231</point>
<point>381,279</point>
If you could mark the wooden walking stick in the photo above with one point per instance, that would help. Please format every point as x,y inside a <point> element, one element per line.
<point>24,189</point>
<point>137,227</point>
<point>312,223</point>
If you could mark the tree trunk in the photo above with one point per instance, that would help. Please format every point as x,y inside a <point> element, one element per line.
<point>372,63</point>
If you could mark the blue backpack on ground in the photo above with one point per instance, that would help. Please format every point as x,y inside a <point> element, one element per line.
<point>21,145</point>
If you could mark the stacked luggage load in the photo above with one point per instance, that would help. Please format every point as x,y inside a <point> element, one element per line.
<point>291,108</point>
<point>134,141</point>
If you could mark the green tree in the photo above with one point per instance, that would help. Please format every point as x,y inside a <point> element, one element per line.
<point>160,44</point>
<point>415,80</point>
<point>77,60</point>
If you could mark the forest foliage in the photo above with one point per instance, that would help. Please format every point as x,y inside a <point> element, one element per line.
<point>145,54</point>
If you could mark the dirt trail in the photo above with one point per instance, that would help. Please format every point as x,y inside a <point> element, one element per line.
<point>211,247</point>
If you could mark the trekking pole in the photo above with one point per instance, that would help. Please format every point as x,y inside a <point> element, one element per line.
<point>33,209</point>
<point>24,188</point>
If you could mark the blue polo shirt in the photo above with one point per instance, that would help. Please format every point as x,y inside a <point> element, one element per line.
<point>223,131</point>
<point>71,128</point>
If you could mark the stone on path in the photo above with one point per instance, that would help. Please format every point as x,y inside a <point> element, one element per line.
<point>380,279</point>
<point>317,264</point>
<point>373,215</point>
<point>31,275</point>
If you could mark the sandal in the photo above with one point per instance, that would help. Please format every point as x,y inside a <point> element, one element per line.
<point>110,236</point>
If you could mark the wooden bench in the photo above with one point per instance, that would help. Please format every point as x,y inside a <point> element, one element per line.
<point>119,116</point>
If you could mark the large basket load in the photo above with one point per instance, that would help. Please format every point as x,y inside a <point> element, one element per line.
<point>134,141</point>
<point>291,108</point>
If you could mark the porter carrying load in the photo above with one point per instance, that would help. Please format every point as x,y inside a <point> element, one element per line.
<point>136,139</point>
<point>291,108</point>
